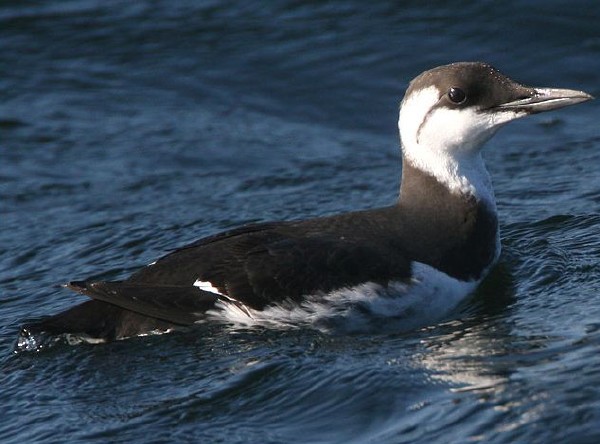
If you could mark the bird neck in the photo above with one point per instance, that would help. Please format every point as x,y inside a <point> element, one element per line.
<point>453,231</point>
<point>461,174</point>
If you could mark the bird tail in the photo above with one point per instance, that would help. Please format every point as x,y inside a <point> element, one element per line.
<point>92,321</point>
<point>119,310</point>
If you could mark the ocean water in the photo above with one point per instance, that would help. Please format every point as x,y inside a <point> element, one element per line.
<point>130,128</point>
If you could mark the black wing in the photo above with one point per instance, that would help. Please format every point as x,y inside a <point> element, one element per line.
<point>255,265</point>
<point>177,304</point>
<point>263,264</point>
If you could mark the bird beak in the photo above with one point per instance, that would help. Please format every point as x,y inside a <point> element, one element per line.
<point>546,99</point>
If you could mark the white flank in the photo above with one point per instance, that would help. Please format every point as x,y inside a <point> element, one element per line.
<point>207,286</point>
<point>428,298</point>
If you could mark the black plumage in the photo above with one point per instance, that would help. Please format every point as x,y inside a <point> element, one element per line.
<point>452,230</point>
<point>263,264</point>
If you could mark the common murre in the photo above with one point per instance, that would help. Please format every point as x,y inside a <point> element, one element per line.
<point>440,238</point>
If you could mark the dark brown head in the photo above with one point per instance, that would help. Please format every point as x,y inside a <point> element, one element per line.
<point>449,112</point>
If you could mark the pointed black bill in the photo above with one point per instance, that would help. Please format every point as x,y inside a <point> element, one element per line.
<point>546,99</point>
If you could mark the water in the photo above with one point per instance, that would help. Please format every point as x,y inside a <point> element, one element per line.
<point>130,128</point>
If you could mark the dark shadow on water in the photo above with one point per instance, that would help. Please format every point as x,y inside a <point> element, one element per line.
<point>497,291</point>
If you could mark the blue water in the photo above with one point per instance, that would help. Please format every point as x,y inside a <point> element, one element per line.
<point>130,128</point>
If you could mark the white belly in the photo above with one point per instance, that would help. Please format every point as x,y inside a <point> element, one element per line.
<point>429,297</point>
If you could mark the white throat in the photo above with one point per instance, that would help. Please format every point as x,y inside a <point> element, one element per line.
<point>466,175</point>
<point>446,143</point>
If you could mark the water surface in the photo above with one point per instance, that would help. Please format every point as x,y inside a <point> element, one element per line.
<point>130,128</point>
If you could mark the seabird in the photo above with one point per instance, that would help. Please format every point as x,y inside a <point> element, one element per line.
<point>434,245</point>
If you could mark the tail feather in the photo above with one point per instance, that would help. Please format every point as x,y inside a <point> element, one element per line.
<point>181,305</point>
<point>98,320</point>
<point>120,310</point>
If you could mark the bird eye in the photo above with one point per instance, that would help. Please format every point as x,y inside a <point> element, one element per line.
<point>457,95</point>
